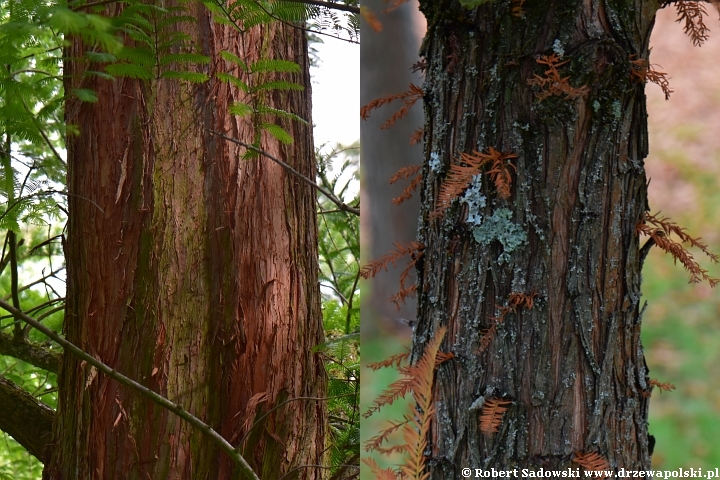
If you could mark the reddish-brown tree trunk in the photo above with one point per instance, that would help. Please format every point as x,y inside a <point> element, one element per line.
<point>192,271</point>
<point>572,365</point>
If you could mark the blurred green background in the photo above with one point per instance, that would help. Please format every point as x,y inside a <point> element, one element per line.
<point>681,326</point>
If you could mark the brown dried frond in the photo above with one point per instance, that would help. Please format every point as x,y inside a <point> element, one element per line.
<point>519,299</point>
<point>417,135</point>
<point>419,66</point>
<point>492,415</point>
<point>443,357</point>
<point>591,461</point>
<point>378,472</point>
<point>399,298</point>
<point>644,72</point>
<point>517,8</point>
<point>691,12</point>
<point>487,336</point>
<point>376,443</point>
<point>371,18</point>
<point>374,267</point>
<point>409,97</point>
<point>415,432</point>
<point>398,389</point>
<point>405,291</point>
<point>666,386</point>
<point>553,84</point>
<point>453,58</point>
<point>515,300</point>
<point>460,176</point>
<point>393,361</point>
<point>407,172</point>
<point>660,228</point>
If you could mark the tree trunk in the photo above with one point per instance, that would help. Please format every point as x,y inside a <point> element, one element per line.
<point>572,365</point>
<point>192,271</point>
<point>383,153</point>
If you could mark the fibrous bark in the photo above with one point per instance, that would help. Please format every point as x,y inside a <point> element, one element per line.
<point>25,418</point>
<point>573,364</point>
<point>196,276</point>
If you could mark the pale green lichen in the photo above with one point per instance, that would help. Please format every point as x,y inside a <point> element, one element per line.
<point>501,228</point>
<point>475,201</point>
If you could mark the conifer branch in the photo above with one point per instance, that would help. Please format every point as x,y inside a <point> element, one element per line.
<point>691,12</point>
<point>492,415</point>
<point>552,84</point>
<point>409,98</point>
<point>592,461</point>
<point>407,172</point>
<point>460,176</point>
<point>659,230</point>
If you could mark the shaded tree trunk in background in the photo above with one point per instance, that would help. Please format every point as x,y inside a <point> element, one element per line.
<point>386,58</point>
<point>198,277</point>
<point>573,364</point>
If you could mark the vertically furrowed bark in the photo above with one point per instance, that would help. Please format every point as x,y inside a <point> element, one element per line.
<point>572,365</point>
<point>192,271</point>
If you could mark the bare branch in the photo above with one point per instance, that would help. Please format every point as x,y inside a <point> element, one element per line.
<point>29,352</point>
<point>342,206</point>
<point>144,391</point>
<point>25,418</point>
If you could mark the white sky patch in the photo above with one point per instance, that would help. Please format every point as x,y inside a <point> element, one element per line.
<point>336,92</point>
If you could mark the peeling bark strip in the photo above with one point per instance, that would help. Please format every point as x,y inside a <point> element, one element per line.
<point>572,365</point>
<point>198,279</point>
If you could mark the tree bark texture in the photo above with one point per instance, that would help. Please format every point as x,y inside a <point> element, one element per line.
<point>25,418</point>
<point>573,364</point>
<point>192,271</point>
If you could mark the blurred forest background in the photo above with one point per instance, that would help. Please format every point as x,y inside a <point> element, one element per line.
<point>681,326</point>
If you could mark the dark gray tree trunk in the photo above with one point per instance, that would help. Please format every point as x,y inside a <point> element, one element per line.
<point>573,364</point>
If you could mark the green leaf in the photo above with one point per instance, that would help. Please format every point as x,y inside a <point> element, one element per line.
<point>100,57</point>
<point>470,4</point>
<point>269,65</point>
<point>192,77</point>
<point>226,77</point>
<point>185,58</point>
<point>85,94</point>
<point>266,110</point>
<point>277,85</point>
<point>240,109</point>
<point>95,73</point>
<point>278,132</point>
<point>230,57</point>
<point>129,70</point>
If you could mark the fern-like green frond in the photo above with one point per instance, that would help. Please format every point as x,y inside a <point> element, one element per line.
<point>274,65</point>
<point>278,132</point>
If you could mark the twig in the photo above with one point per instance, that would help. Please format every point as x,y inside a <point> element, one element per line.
<point>14,281</point>
<point>259,420</point>
<point>342,206</point>
<point>142,390</point>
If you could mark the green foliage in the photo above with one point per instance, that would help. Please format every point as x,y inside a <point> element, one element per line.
<point>258,80</point>
<point>339,248</point>
<point>160,49</point>
<point>470,4</point>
